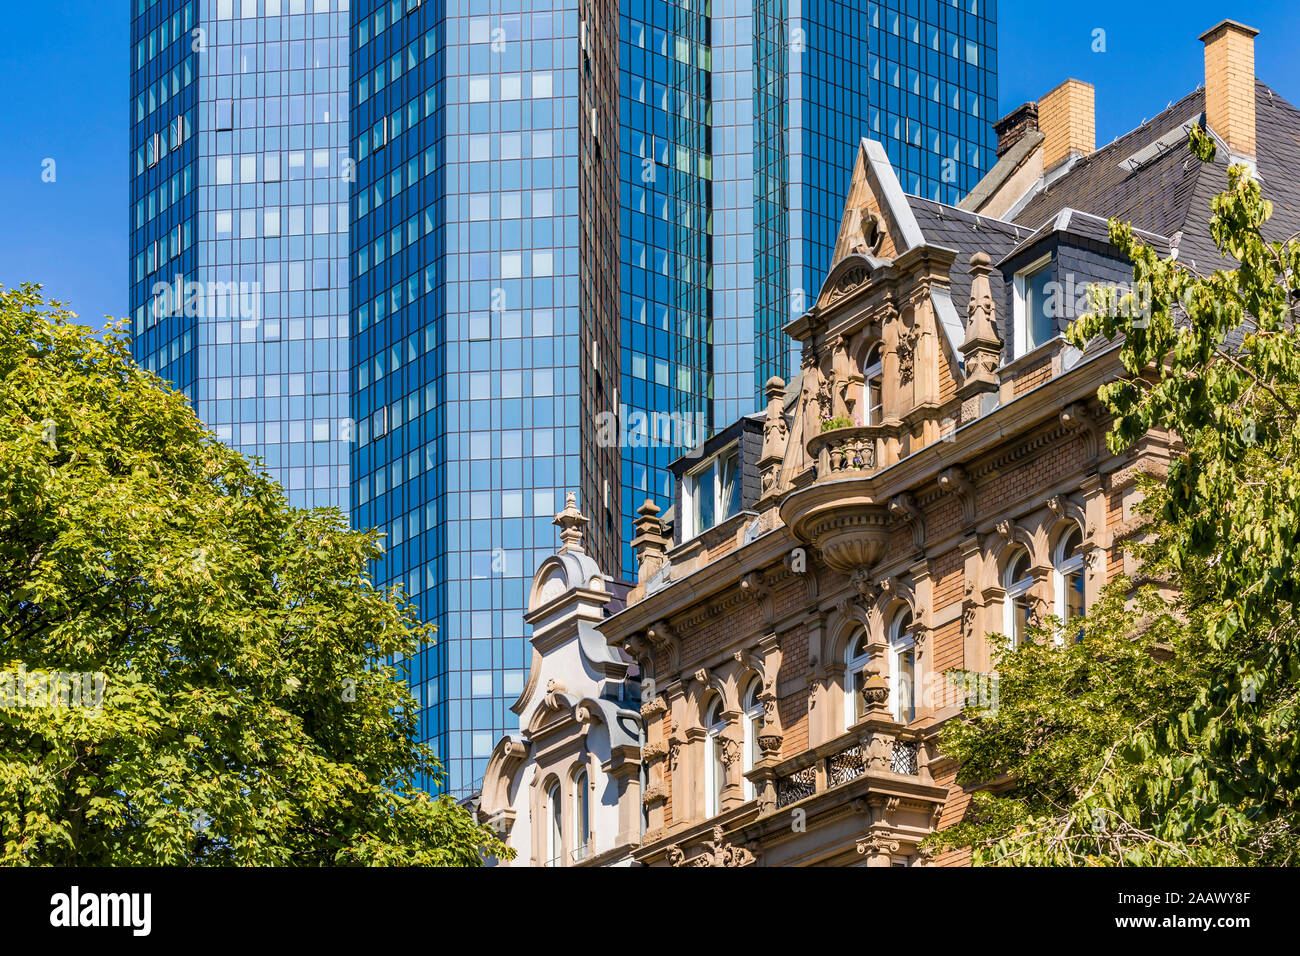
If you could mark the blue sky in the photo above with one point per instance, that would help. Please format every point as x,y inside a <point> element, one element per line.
<point>64,72</point>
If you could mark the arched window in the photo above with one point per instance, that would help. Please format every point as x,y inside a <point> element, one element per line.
<point>753,727</point>
<point>1017,606</point>
<point>873,388</point>
<point>1069,578</point>
<point>581,819</point>
<point>855,708</point>
<point>902,649</point>
<point>715,773</point>
<point>555,832</point>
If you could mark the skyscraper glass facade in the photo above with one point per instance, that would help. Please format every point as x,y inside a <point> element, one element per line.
<point>238,225</point>
<point>742,120</point>
<point>483,265</point>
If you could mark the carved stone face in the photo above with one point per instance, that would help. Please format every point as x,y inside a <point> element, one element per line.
<point>981,305</point>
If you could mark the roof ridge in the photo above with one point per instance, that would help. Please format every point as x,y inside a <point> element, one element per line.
<point>1005,224</point>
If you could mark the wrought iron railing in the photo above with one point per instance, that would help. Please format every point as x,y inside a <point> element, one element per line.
<point>796,786</point>
<point>906,758</point>
<point>845,766</point>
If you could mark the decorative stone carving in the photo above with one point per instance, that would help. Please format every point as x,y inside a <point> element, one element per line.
<point>908,336</point>
<point>1079,418</point>
<point>650,542</point>
<point>875,692</point>
<point>776,438</point>
<point>553,689</point>
<point>769,744</point>
<point>861,581</point>
<point>877,844</point>
<point>982,349</point>
<point>570,521</point>
<point>654,707</point>
<point>869,237</point>
<point>955,481</point>
<point>717,852</point>
<point>809,401</point>
<point>730,751</point>
<point>848,282</point>
<point>904,508</point>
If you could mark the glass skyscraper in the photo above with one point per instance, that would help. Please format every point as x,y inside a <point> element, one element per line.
<point>484,340</point>
<point>741,123</point>
<point>239,223</point>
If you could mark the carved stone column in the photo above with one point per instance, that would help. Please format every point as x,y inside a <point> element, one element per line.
<point>1096,538</point>
<point>657,755</point>
<point>982,349</point>
<point>682,774</point>
<point>733,747</point>
<point>776,436</point>
<point>878,848</point>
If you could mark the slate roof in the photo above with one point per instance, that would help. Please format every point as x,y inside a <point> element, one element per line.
<point>1150,178</point>
<point>967,233</point>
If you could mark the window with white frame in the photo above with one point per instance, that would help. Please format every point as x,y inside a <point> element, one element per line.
<point>711,493</point>
<point>581,817</point>
<point>753,727</point>
<point>902,650</point>
<point>855,708</point>
<point>1068,567</point>
<point>555,831</point>
<point>1035,321</point>
<point>1017,605</point>
<point>715,772</point>
<point>873,390</point>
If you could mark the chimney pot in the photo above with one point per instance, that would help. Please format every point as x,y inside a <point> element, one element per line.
<point>1013,127</point>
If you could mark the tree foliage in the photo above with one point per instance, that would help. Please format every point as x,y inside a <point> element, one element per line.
<point>1168,736</point>
<point>246,717</point>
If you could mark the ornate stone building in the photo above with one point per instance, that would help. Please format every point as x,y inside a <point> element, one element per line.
<point>933,481</point>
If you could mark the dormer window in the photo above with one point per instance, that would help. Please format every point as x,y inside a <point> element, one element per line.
<point>712,492</point>
<point>1035,323</point>
<point>873,387</point>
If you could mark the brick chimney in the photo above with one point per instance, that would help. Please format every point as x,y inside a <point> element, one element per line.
<point>1012,128</point>
<point>1230,85</point>
<point>1068,121</point>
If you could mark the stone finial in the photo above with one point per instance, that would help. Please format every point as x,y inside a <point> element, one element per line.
<point>650,542</point>
<point>570,521</point>
<point>776,436</point>
<point>982,349</point>
<point>981,311</point>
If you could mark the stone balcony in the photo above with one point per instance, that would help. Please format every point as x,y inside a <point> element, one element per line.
<point>837,514</point>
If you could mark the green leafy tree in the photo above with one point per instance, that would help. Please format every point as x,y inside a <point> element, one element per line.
<point>1168,736</point>
<point>246,717</point>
